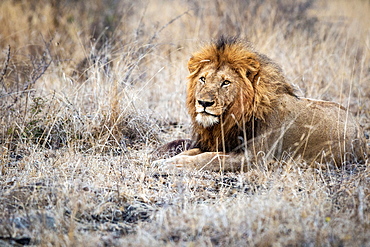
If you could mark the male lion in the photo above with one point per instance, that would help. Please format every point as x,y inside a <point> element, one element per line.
<point>242,109</point>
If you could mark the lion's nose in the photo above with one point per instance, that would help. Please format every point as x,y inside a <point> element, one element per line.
<point>205,103</point>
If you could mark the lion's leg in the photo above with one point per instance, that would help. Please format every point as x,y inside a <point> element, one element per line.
<point>191,152</point>
<point>212,161</point>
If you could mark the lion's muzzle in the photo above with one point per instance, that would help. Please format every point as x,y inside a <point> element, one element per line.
<point>205,114</point>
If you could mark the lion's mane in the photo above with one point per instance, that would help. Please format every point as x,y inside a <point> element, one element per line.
<point>262,82</point>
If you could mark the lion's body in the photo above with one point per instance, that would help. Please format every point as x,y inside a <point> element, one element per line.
<point>242,108</point>
<point>313,130</point>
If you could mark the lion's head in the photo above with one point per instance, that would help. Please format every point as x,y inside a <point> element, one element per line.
<point>229,86</point>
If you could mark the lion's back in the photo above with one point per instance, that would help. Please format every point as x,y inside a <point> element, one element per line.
<point>315,130</point>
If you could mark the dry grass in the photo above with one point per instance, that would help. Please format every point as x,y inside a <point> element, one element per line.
<point>89,88</point>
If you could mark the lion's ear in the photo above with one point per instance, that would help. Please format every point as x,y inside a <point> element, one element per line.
<point>192,65</point>
<point>252,69</point>
<point>195,64</point>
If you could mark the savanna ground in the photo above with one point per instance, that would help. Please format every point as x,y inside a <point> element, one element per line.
<point>90,88</point>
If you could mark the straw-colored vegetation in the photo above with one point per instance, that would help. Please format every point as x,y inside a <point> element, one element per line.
<point>90,88</point>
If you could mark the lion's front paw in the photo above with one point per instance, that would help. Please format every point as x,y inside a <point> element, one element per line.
<point>158,163</point>
<point>163,163</point>
<point>170,164</point>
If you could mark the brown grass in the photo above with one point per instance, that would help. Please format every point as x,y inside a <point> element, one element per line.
<point>89,88</point>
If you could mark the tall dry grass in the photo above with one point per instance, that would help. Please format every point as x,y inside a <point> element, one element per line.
<point>89,88</point>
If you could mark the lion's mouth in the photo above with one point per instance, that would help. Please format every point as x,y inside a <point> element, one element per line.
<point>206,111</point>
<point>208,114</point>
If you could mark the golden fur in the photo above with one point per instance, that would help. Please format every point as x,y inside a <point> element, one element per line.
<point>242,107</point>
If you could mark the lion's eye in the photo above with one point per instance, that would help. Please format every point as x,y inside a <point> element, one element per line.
<point>225,83</point>
<point>202,80</point>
